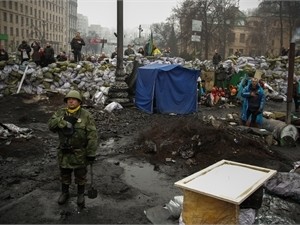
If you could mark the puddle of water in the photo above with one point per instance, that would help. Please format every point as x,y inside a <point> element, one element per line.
<point>107,147</point>
<point>114,145</point>
<point>142,176</point>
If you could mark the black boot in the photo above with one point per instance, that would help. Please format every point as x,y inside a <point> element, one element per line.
<point>80,195</point>
<point>64,195</point>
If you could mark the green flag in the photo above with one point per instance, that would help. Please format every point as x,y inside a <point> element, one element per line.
<point>150,45</point>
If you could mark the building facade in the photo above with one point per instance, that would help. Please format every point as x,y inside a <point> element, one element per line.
<point>82,24</point>
<point>257,36</point>
<point>45,21</point>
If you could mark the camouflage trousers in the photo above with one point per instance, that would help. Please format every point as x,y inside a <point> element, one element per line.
<point>79,174</point>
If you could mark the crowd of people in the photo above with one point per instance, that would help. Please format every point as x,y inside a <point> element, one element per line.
<point>42,56</point>
<point>45,55</point>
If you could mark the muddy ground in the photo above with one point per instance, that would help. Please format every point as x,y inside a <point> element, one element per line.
<point>139,158</point>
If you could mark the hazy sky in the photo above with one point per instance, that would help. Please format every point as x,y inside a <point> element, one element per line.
<point>104,12</point>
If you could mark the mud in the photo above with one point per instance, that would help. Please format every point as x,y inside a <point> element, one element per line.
<point>140,157</point>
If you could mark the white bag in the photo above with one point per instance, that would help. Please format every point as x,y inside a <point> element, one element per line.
<point>24,55</point>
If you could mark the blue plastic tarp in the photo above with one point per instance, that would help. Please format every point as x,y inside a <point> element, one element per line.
<point>166,89</point>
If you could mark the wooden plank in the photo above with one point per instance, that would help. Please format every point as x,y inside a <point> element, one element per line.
<point>201,209</point>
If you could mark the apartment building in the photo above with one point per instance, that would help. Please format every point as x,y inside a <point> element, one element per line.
<point>45,21</point>
<point>82,24</point>
<point>257,35</point>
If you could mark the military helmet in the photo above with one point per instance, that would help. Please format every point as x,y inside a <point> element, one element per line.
<point>73,94</point>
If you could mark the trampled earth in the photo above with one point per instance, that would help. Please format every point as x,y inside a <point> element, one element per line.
<point>140,157</point>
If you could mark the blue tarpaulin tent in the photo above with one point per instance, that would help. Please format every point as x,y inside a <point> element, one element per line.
<point>165,88</point>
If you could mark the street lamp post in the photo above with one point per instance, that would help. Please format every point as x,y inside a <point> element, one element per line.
<point>140,30</point>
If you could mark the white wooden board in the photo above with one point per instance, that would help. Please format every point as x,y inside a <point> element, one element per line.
<point>227,180</point>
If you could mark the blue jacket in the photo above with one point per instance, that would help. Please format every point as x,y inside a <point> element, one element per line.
<point>261,98</point>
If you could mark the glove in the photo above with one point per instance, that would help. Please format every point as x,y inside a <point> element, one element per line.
<point>71,119</point>
<point>90,159</point>
<point>62,123</point>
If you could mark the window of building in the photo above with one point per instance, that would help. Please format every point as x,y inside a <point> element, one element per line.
<point>21,7</point>
<point>242,38</point>
<point>231,37</point>
<point>17,19</point>
<point>30,10</point>
<point>4,16</point>
<point>17,32</point>
<point>5,29</point>
<point>10,4</point>
<point>22,21</point>
<point>4,4</point>
<point>11,31</point>
<point>26,9</point>
<point>11,19</point>
<point>22,32</point>
<point>16,6</point>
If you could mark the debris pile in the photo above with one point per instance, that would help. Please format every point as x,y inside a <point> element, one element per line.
<point>101,83</point>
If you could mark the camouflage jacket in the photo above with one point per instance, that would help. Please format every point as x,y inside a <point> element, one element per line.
<point>83,142</point>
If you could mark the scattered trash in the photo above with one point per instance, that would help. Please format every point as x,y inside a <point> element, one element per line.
<point>112,106</point>
<point>11,130</point>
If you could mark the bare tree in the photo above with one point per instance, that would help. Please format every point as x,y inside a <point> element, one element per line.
<point>217,22</point>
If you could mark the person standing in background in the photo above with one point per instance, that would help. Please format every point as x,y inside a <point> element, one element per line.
<point>141,51</point>
<point>129,51</point>
<point>76,46</point>
<point>3,54</point>
<point>296,93</point>
<point>49,54</point>
<point>216,59</point>
<point>25,50</point>
<point>114,54</point>
<point>253,103</point>
<point>35,55</point>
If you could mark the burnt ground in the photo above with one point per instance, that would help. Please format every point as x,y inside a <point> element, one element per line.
<point>140,156</point>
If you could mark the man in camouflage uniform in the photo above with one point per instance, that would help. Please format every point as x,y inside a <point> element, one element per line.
<point>78,141</point>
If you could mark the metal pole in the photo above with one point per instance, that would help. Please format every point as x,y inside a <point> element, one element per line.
<point>290,82</point>
<point>22,80</point>
<point>119,37</point>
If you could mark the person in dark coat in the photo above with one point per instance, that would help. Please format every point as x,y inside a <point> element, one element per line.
<point>76,46</point>
<point>141,51</point>
<point>216,59</point>
<point>129,51</point>
<point>49,54</point>
<point>220,76</point>
<point>35,55</point>
<point>62,56</point>
<point>42,57</point>
<point>114,54</point>
<point>3,54</point>
<point>24,50</point>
